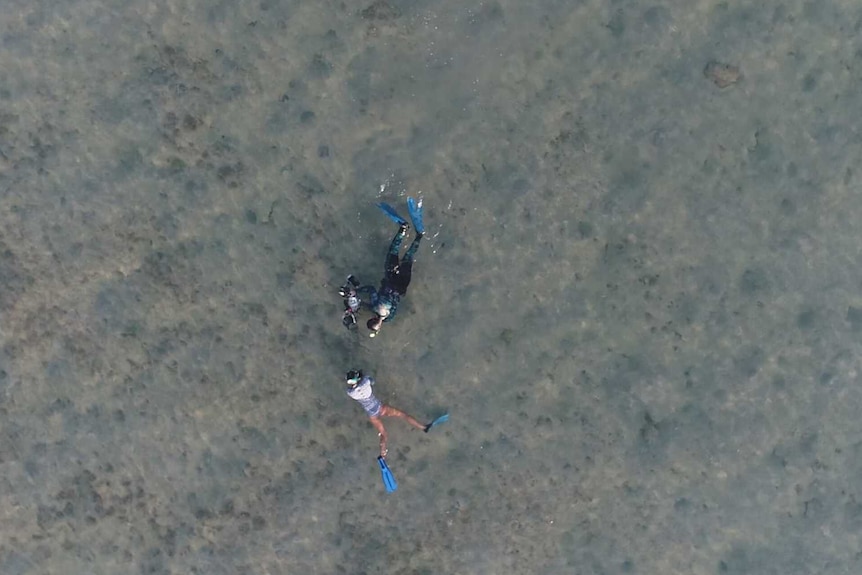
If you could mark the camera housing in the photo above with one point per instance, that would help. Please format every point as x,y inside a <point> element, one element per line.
<point>351,300</point>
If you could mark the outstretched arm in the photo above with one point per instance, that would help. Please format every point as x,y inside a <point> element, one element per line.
<point>366,289</point>
<point>381,432</point>
<point>370,292</point>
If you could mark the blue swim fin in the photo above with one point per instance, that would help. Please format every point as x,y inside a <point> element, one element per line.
<point>393,215</point>
<point>415,209</point>
<point>388,478</point>
<point>442,419</point>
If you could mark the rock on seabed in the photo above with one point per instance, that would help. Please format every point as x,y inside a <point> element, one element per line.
<point>722,75</point>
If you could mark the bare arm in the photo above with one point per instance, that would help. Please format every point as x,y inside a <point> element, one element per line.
<point>381,432</point>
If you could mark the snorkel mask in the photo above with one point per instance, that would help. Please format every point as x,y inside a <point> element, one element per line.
<point>374,324</point>
<point>383,310</point>
<point>353,377</point>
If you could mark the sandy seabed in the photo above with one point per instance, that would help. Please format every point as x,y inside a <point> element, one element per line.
<point>639,297</point>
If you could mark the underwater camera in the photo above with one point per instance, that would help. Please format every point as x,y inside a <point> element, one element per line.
<point>351,301</point>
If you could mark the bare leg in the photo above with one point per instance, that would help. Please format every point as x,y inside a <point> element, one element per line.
<point>381,433</point>
<point>390,411</point>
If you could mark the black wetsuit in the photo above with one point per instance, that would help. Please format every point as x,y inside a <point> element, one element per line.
<point>396,277</point>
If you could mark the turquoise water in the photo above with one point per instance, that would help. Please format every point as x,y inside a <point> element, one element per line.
<point>639,298</point>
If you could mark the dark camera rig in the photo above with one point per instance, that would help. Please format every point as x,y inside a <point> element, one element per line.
<point>352,302</point>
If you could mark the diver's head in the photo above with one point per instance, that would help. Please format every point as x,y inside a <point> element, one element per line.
<point>353,377</point>
<point>374,325</point>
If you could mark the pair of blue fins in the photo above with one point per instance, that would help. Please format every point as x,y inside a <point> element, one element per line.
<point>414,208</point>
<point>389,479</point>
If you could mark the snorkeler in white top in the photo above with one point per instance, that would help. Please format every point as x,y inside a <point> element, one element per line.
<point>359,388</point>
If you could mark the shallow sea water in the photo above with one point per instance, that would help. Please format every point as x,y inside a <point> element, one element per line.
<point>639,299</point>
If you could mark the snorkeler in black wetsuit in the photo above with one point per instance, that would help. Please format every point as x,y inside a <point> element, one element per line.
<point>393,286</point>
<point>397,274</point>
